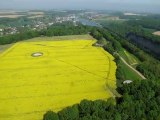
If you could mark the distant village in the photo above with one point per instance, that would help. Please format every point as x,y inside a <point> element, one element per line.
<point>38,25</point>
<point>47,21</point>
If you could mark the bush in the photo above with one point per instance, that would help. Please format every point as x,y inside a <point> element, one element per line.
<point>50,116</point>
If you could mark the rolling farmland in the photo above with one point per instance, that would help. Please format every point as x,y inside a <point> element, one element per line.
<point>63,73</point>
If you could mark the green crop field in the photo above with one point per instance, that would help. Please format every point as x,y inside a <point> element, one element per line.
<point>49,75</point>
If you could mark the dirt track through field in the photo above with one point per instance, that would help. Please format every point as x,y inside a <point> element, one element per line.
<point>132,68</point>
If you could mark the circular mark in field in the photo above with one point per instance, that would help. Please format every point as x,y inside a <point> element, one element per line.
<point>37,54</point>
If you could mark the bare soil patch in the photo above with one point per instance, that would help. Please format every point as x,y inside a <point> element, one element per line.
<point>157,33</point>
<point>11,16</point>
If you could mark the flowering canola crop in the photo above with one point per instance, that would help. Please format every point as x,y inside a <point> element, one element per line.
<point>65,73</point>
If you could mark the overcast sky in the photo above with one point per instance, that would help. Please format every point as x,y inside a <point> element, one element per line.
<point>139,5</point>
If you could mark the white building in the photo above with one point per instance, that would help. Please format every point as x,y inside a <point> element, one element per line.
<point>127,81</point>
<point>50,24</point>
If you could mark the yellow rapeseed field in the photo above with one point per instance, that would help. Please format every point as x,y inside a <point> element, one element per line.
<point>67,72</point>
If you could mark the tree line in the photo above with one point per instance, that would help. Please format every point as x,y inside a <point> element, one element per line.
<point>54,30</point>
<point>140,100</point>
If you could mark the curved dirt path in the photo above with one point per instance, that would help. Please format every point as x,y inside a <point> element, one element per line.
<point>142,76</point>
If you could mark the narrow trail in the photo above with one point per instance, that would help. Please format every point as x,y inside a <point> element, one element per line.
<point>123,60</point>
<point>108,87</point>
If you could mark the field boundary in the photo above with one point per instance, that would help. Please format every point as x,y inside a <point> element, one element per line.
<point>8,50</point>
<point>113,91</point>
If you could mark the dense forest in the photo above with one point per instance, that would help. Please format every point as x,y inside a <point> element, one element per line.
<point>138,30</point>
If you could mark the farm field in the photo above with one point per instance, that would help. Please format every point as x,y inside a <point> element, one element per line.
<point>36,16</point>
<point>67,72</point>
<point>20,13</point>
<point>11,16</point>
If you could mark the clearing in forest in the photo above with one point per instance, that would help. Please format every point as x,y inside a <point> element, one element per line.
<point>49,75</point>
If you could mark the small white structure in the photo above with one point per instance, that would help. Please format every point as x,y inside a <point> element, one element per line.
<point>37,54</point>
<point>127,81</point>
<point>50,24</point>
